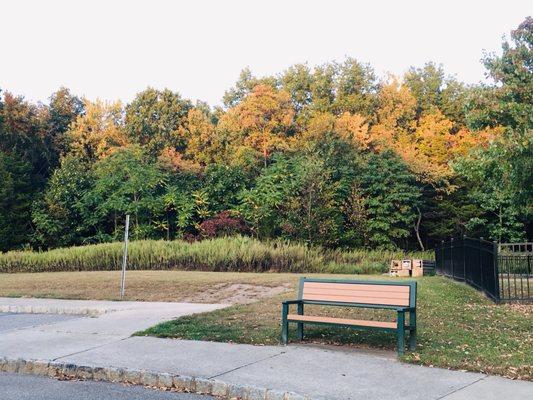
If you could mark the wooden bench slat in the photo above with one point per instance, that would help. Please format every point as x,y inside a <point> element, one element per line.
<point>358,299</point>
<point>333,292</point>
<point>341,321</point>
<point>362,287</point>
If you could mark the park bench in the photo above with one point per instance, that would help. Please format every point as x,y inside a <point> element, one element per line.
<point>395,296</point>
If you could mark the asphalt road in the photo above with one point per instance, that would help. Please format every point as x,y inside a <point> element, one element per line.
<point>28,387</point>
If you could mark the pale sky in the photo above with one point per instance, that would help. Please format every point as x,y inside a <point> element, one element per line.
<point>113,49</point>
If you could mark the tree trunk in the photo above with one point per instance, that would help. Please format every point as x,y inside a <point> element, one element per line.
<point>417,229</point>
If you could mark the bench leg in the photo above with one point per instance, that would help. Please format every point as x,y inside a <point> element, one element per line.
<point>284,324</point>
<point>401,332</point>
<point>412,331</point>
<point>300,324</point>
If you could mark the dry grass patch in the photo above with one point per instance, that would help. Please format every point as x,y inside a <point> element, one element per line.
<point>191,286</point>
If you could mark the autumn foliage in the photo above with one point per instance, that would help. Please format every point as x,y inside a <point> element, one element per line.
<point>331,155</point>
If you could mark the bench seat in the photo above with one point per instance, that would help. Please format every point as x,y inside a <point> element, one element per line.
<point>341,321</point>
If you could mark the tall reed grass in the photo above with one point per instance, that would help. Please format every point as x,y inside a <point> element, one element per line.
<point>240,254</point>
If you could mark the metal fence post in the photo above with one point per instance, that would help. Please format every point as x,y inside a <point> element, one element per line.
<point>481,262</point>
<point>495,253</point>
<point>464,257</point>
<point>451,257</point>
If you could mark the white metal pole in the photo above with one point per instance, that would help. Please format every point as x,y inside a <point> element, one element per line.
<point>124,257</point>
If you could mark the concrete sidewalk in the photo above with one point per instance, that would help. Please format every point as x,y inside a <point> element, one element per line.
<point>304,371</point>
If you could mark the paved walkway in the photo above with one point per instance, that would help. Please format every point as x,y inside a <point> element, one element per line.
<point>318,373</point>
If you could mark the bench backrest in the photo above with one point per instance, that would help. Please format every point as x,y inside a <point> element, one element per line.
<point>383,293</point>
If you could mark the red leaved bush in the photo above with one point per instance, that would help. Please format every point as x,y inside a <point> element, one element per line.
<point>222,224</point>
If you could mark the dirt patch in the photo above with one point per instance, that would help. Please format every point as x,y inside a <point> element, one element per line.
<point>237,293</point>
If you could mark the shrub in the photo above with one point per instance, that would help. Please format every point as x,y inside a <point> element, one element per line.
<point>222,224</point>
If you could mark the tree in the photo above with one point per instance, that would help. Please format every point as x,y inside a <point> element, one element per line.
<point>391,197</point>
<point>16,195</point>
<point>261,121</point>
<point>297,81</point>
<point>262,205</point>
<point>64,109</point>
<point>98,132</point>
<point>23,132</point>
<point>395,114</point>
<point>500,174</point>
<point>356,88</point>
<point>426,86</point>
<point>157,119</point>
<point>203,145</point>
<point>501,182</point>
<point>60,216</point>
<point>223,185</point>
<point>125,183</point>
<point>396,105</point>
<point>323,87</point>
<point>513,72</point>
<point>428,150</point>
<point>244,86</point>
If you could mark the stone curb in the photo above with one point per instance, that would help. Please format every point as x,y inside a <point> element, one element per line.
<point>159,380</point>
<point>89,312</point>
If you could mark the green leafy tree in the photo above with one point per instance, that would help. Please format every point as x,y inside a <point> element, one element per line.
<point>223,185</point>
<point>63,110</point>
<point>356,88</point>
<point>513,72</point>
<point>16,195</point>
<point>500,176</point>
<point>297,81</point>
<point>426,85</point>
<point>175,207</point>
<point>23,133</point>
<point>244,86</point>
<point>263,205</point>
<point>500,179</point>
<point>125,183</point>
<point>323,87</point>
<point>157,119</point>
<point>391,197</point>
<point>311,212</point>
<point>60,216</point>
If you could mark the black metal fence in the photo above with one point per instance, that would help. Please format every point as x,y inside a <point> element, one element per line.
<point>516,278</point>
<point>502,276</point>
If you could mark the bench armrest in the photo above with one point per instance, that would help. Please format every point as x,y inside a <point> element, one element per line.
<point>292,302</point>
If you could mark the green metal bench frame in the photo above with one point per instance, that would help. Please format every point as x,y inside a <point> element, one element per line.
<point>401,311</point>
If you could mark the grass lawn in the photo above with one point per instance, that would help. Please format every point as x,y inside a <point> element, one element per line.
<point>458,327</point>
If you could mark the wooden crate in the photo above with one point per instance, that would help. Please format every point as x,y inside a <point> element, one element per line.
<point>404,273</point>
<point>407,264</point>
<point>416,263</point>
<point>417,271</point>
<point>395,265</point>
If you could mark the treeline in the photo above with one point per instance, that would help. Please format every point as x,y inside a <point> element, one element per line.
<point>332,155</point>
